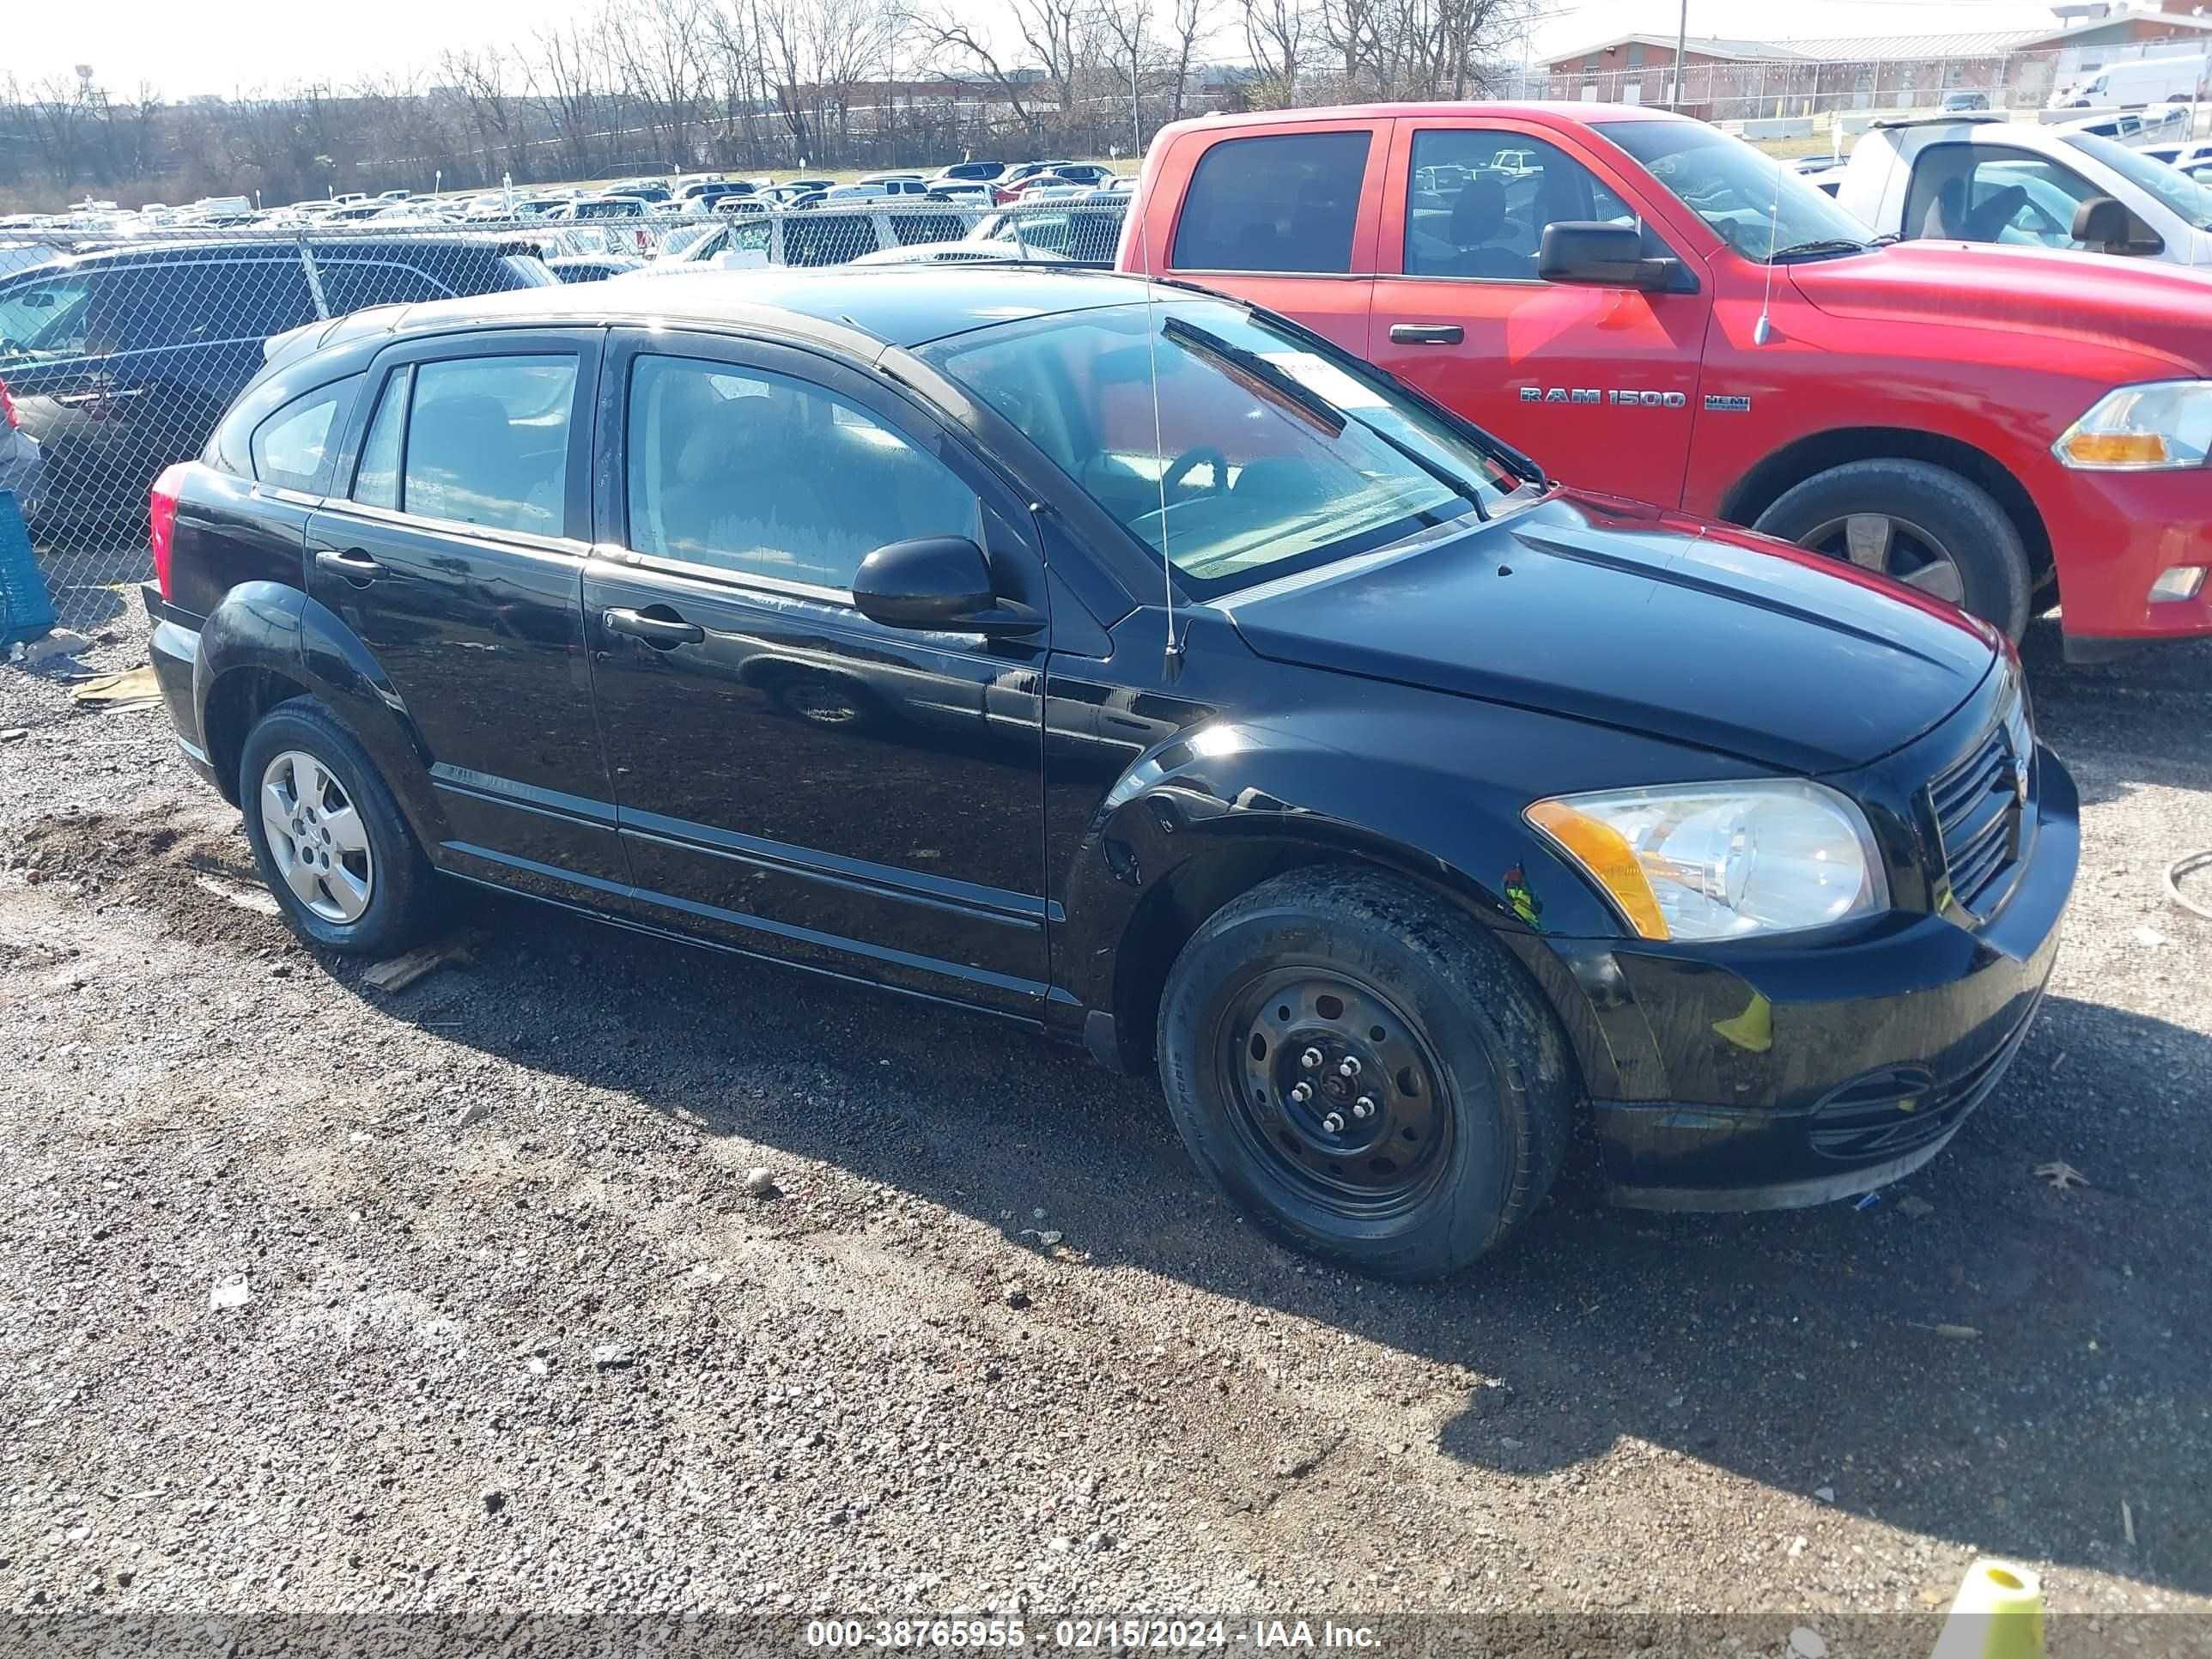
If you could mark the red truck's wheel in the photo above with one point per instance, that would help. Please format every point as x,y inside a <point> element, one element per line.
<point>1921,524</point>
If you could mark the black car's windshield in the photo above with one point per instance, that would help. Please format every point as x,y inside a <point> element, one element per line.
<point>1754,203</point>
<point>1269,457</point>
<point>2168,184</point>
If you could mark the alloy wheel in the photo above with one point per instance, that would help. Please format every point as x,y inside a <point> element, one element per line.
<point>1895,547</point>
<point>316,837</point>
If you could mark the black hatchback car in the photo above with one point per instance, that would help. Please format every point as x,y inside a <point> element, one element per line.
<point>120,361</point>
<point>1135,664</point>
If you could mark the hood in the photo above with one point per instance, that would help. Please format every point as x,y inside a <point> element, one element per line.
<point>2157,313</point>
<point>1614,613</point>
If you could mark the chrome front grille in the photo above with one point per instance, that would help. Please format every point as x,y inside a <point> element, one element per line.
<point>1980,805</point>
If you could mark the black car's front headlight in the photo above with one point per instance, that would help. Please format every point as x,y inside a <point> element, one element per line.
<point>1723,860</point>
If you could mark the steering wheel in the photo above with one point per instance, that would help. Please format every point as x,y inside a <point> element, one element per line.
<point>1189,461</point>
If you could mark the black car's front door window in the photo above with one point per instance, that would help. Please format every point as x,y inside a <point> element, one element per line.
<point>763,475</point>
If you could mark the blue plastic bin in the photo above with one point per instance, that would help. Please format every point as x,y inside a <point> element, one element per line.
<point>26,609</point>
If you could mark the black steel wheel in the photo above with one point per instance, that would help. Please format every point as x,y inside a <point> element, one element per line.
<point>1365,1072</point>
<point>1336,1087</point>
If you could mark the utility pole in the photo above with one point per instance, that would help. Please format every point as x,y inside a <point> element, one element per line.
<point>1681,42</point>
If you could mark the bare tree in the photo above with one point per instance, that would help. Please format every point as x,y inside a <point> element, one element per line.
<point>946,39</point>
<point>657,47</point>
<point>1193,22</point>
<point>558,72</point>
<point>56,119</point>
<point>1275,35</point>
<point>482,79</point>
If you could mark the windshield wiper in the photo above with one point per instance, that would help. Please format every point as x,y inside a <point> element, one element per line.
<point>1457,486</point>
<point>1323,413</point>
<point>1822,245</point>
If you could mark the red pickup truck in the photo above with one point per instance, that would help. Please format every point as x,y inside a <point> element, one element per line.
<point>1655,308</point>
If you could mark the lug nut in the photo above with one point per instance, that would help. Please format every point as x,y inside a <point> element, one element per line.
<point>1332,1124</point>
<point>1310,1059</point>
<point>1348,1067</point>
<point>1363,1108</point>
<point>1302,1093</point>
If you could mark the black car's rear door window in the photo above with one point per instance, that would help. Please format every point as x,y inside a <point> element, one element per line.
<point>293,448</point>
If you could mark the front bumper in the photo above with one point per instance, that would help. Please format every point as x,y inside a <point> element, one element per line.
<point>2111,535</point>
<point>176,652</point>
<point>1812,1072</point>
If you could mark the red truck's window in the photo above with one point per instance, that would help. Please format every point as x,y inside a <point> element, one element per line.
<point>1287,202</point>
<point>1478,200</point>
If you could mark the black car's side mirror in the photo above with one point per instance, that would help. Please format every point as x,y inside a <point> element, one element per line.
<point>940,582</point>
<point>1604,255</point>
<point>2104,225</point>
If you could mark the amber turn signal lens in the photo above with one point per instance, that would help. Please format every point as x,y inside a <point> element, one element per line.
<point>1611,862</point>
<point>2116,449</point>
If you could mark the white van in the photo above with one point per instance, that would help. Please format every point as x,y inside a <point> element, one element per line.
<point>2139,80</point>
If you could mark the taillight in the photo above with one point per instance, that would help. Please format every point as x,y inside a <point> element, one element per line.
<point>7,415</point>
<point>162,513</point>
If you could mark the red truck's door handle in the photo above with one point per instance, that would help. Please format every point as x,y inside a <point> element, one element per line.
<point>1426,334</point>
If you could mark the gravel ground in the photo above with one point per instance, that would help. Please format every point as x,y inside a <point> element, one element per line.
<point>520,1337</point>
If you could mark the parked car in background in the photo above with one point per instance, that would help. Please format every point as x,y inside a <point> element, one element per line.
<point>785,194</point>
<point>1961,99</point>
<point>1086,231</point>
<point>965,193</point>
<point>875,189</point>
<point>976,172</point>
<point>824,236</point>
<point>2138,127</point>
<point>1983,180</point>
<point>1005,185</point>
<point>22,469</point>
<point>1410,817</point>
<point>2179,77</point>
<point>2183,155</point>
<point>592,267</point>
<point>120,361</point>
<point>1665,307</point>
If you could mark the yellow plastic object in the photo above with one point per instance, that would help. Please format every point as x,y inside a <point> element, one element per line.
<point>1751,1030</point>
<point>1605,852</point>
<point>1997,1615</point>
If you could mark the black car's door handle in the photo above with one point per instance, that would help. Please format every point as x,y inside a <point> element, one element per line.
<point>660,632</point>
<point>1426,334</point>
<point>353,564</point>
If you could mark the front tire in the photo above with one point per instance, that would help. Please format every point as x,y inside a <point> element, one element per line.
<point>1923,525</point>
<point>328,835</point>
<point>1436,1090</point>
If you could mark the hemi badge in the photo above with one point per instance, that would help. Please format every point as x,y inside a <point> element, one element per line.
<point>1717,404</point>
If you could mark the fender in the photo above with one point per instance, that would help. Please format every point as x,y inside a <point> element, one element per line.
<point>271,626</point>
<point>1280,798</point>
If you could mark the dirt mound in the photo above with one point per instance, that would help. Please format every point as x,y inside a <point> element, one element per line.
<point>177,860</point>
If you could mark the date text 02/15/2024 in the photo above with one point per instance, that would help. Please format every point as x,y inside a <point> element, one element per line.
<point>1116,1634</point>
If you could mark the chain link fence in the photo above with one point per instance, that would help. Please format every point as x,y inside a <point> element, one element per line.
<point>119,352</point>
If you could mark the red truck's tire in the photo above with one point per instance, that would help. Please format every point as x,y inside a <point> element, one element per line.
<point>1930,510</point>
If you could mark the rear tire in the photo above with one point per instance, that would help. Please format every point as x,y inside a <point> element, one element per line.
<point>328,835</point>
<point>1934,516</point>
<point>1451,1124</point>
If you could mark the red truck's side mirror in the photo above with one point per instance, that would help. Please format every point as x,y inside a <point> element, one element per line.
<point>1604,255</point>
